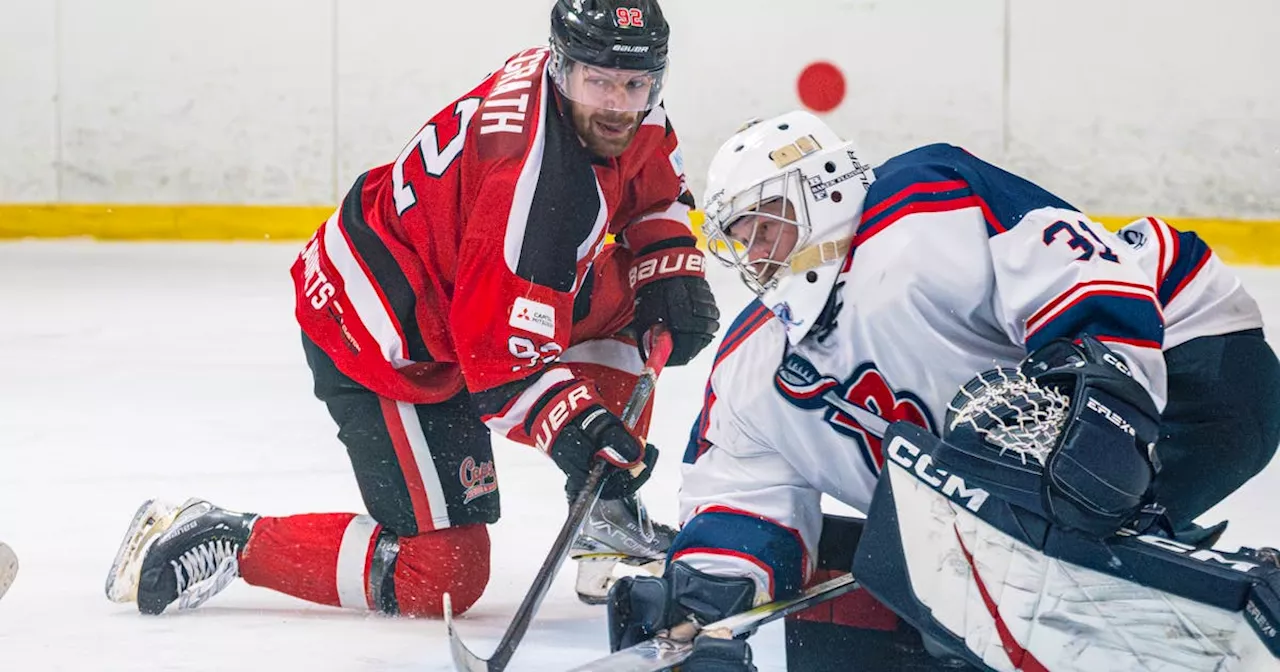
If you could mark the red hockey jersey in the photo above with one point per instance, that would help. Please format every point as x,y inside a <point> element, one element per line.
<point>459,264</point>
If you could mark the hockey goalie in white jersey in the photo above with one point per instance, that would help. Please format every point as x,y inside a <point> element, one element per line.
<point>1041,519</point>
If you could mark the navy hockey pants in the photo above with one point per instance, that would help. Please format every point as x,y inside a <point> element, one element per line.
<point>1221,425</point>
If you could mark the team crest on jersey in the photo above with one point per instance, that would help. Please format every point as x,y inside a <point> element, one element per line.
<point>802,385</point>
<point>477,480</point>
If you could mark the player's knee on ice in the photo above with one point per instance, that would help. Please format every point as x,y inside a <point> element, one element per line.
<point>454,561</point>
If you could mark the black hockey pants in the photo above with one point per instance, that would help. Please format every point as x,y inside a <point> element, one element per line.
<point>1221,425</point>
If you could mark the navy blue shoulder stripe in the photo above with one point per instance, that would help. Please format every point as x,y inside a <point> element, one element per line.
<point>752,317</point>
<point>1190,256</point>
<point>941,177</point>
<point>698,443</point>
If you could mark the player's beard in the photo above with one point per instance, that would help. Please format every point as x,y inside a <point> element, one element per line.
<point>607,133</point>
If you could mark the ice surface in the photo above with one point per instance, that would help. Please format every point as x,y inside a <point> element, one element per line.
<point>130,371</point>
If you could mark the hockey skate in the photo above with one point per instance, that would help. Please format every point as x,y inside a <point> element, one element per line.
<point>185,553</point>
<point>617,532</point>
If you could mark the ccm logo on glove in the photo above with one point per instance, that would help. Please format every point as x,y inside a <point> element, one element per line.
<point>667,263</point>
<point>565,405</point>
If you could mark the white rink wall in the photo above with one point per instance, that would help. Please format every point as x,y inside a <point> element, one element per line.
<point>1122,106</point>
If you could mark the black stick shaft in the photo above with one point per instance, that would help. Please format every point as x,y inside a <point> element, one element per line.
<point>547,572</point>
<point>578,511</point>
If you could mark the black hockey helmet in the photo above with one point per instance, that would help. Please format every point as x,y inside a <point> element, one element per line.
<point>625,39</point>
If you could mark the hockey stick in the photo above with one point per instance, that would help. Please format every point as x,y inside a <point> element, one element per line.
<point>870,421</point>
<point>673,648</point>
<point>463,658</point>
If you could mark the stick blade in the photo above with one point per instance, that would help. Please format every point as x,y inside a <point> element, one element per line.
<point>661,653</point>
<point>653,655</point>
<point>463,659</point>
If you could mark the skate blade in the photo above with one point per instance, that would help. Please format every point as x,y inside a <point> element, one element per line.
<point>595,577</point>
<point>153,518</point>
<point>597,572</point>
<point>8,568</point>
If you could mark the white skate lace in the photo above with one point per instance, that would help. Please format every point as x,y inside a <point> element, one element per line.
<point>1012,412</point>
<point>204,571</point>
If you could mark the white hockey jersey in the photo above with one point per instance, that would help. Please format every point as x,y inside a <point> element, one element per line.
<point>956,267</point>
<point>1200,296</point>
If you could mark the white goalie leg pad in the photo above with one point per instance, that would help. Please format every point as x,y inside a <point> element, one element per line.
<point>1016,608</point>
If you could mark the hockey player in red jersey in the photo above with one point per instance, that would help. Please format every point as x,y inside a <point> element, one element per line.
<point>467,289</point>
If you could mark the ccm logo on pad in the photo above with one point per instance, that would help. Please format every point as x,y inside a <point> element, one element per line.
<point>911,458</point>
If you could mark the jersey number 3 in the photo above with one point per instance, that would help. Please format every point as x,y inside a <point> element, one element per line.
<point>435,159</point>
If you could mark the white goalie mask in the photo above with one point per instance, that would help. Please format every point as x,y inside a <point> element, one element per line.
<point>783,200</point>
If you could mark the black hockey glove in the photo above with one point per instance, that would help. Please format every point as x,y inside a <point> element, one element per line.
<point>570,424</point>
<point>672,290</point>
<point>1099,473</point>
<point>712,654</point>
<point>642,606</point>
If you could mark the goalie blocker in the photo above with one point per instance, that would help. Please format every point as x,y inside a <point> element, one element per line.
<point>967,573</point>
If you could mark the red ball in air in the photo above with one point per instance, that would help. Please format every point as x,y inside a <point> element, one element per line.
<point>821,86</point>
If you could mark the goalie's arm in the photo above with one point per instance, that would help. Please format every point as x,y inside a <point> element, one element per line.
<point>750,519</point>
<point>741,545</point>
<point>1060,275</point>
<point>1093,328</point>
<point>756,451</point>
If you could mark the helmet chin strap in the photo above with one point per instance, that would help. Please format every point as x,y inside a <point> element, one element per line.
<point>820,254</point>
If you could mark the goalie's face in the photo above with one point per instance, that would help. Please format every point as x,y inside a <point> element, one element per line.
<point>761,241</point>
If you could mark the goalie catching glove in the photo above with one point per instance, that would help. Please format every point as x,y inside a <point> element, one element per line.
<point>672,290</point>
<point>575,429</point>
<point>1075,434</point>
<point>1098,474</point>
